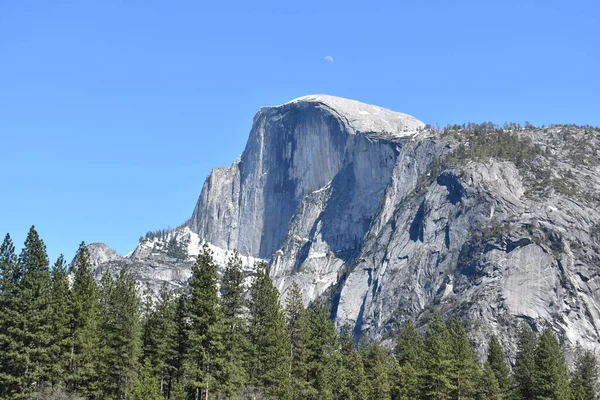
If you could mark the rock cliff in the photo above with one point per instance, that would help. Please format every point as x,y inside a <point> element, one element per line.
<point>386,219</point>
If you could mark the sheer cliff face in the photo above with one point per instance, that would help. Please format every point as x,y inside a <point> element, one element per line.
<point>293,151</point>
<point>352,202</point>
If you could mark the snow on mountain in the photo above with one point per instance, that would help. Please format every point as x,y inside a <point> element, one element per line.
<point>356,204</point>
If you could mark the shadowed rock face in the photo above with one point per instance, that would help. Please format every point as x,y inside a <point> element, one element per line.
<point>344,198</point>
<point>293,150</point>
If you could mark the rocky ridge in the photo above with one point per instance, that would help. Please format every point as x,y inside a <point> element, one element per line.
<point>386,219</point>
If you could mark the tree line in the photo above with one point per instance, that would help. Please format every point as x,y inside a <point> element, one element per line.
<point>64,335</point>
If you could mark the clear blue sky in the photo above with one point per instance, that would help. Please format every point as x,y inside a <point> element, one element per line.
<point>112,113</point>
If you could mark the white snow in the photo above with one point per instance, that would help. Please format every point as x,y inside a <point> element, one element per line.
<point>367,118</point>
<point>316,255</point>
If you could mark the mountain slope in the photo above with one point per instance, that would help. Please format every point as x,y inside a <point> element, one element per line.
<point>387,219</point>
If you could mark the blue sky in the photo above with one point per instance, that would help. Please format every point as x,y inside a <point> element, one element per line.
<point>112,113</point>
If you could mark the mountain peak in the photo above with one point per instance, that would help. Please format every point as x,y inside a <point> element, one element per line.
<point>365,118</point>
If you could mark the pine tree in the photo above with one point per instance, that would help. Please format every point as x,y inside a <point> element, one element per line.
<point>298,334</point>
<point>159,342</point>
<point>85,335</point>
<point>105,353</point>
<point>60,319</point>
<point>181,343</point>
<point>235,340</point>
<point>577,392</point>
<point>377,371</point>
<point>12,356</point>
<point>321,351</point>
<point>35,303</point>
<point>146,386</point>
<point>465,371</point>
<point>409,346</point>
<point>408,370</point>
<point>437,380</point>
<point>584,384</point>
<point>524,363</point>
<point>498,365</point>
<point>206,334</point>
<point>150,335</point>
<point>120,333</point>
<point>406,381</point>
<point>269,351</point>
<point>551,376</point>
<point>351,382</point>
<point>488,387</point>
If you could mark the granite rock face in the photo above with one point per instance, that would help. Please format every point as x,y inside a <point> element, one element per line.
<point>353,202</point>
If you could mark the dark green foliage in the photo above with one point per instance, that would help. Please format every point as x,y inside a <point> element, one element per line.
<point>85,332</point>
<point>584,384</point>
<point>438,382</point>
<point>488,387</point>
<point>377,371</point>
<point>551,376</point>
<point>100,342</point>
<point>176,249</point>
<point>351,382</point>
<point>269,357</point>
<point>406,381</point>
<point>120,330</point>
<point>60,319</point>
<point>321,351</point>
<point>524,363</point>
<point>409,362</point>
<point>180,341</point>
<point>409,346</point>
<point>235,338</point>
<point>465,370</point>
<point>485,141</point>
<point>204,361</point>
<point>35,310</point>
<point>497,363</point>
<point>146,386</point>
<point>11,354</point>
<point>298,333</point>
<point>159,345</point>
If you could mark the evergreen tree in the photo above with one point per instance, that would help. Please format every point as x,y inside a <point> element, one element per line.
<point>465,371</point>
<point>120,333</point>
<point>146,385</point>
<point>498,365</point>
<point>377,371</point>
<point>12,357</point>
<point>584,384</point>
<point>577,392</point>
<point>85,334</point>
<point>159,342</point>
<point>438,381</point>
<point>488,387</point>
<point>35,302</point>
<point>269,351</point>
<point>406,382</point>
<point>181,343</point>
<point>60,319</point>
<point>235,340</point>
<point>321,351</point>
<point>351,383</point>
<point>206,333</point>
<point>408,363</point>
<point>551,376</point>
<point>524,363</point>
<point>409,346</point>
<point>298,334</point>
<point>150,335</point>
